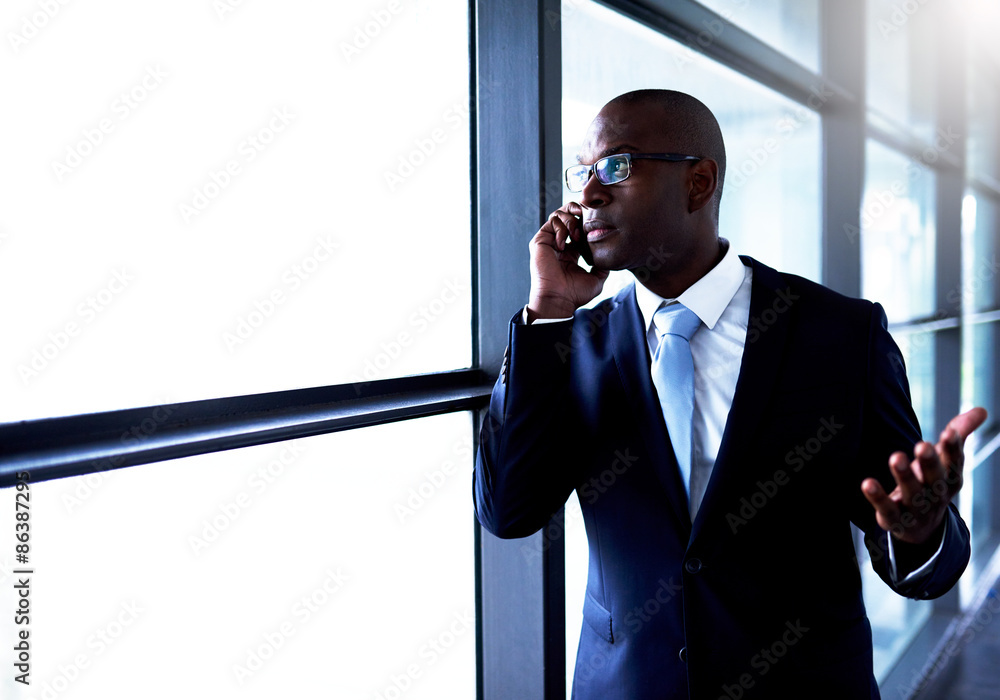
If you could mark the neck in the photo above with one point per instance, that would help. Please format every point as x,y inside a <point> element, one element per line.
<point>671,283</point>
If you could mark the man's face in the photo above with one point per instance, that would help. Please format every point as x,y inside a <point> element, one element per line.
<point>643,222</point>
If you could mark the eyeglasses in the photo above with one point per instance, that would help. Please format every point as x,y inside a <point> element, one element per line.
<point>614,169</point>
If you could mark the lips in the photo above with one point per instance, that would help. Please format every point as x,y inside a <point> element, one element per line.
<point>597,229</point>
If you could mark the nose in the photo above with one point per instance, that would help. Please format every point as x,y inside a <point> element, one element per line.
<point>594,194</point>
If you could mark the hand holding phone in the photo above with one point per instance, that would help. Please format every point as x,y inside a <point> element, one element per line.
<point>559,285</point>
<point>580,245</point>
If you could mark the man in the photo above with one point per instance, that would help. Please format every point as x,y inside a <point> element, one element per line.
<point>717,467</point>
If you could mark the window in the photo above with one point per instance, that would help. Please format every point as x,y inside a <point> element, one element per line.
<point>897,234</point>
<point>900,63</point>
<point>342,562</point>
<point>788,25</point>
<point>193,211</point>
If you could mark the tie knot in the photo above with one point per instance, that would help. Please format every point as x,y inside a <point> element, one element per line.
<point>676,319</point>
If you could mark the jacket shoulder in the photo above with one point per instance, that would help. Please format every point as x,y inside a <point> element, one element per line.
<point>817,297</point>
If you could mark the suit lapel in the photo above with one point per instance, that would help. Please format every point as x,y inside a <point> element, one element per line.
<point>628,337</point>
<point>767,333</point>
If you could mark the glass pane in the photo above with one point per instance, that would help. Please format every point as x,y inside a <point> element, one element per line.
<point>232,194</point>
<point>771,198</point>
<point>791,26</point>
<point>901,43</point>
<point>897,234</point>
<point>982,480</point>
<point>919,358</point>
<point>980,254</point>
<point>983,146</point>
<point>338,566</point>
<point>979,370</point>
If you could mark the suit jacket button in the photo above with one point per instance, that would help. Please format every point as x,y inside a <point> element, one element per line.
<point>683,654</point>
<point>692,566</point>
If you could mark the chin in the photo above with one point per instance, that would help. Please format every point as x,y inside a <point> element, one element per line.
<point>605,259</point>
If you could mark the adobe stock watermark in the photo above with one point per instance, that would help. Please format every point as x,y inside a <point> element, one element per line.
<point>590,491</point>
<point>963,293</point>
<point>420,321</point>
<point>60,339</point>
<point>557,528</point>
<point>878,202</point>
<point>98,643</point>
<point>796,458</point>
<point>759,325</point>
<point>432,650</point>
<point>32,25</point>
<point>302,611</point>
<point>101,469</point>
<point>364,34</point>
<point>121,108</point>
<point>900,15</point>
<point>454,117</point>
<point>248,151</point>
<point>984,271</point>
<point>230,510</point>
<point>762,662</point>
<point>291,280</point>
<point>226,7</point>
<point>785,127</point>
<point>433,481</point>
<point>968,628</point>
<point>696,43</point>
<point>639,616</point>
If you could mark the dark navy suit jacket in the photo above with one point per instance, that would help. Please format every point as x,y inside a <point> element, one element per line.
<point>759,597</point>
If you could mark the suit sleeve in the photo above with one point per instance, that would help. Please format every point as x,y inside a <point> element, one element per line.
<point>527,446</point>
<point>890,425</point>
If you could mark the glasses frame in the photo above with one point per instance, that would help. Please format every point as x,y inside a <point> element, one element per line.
<point>592,170</point>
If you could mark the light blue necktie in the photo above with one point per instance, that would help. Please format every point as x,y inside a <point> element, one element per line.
<point>673,377</point>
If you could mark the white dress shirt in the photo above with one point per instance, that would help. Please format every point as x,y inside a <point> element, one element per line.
<point>721,299</point>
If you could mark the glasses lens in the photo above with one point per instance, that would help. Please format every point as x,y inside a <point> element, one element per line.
<point>576,177</point>
<point>611,169</point>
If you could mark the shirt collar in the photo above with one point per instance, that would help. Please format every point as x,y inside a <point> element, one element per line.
<point>708,297</point>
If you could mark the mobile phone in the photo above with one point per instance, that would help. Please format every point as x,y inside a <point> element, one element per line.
<point>581,246</point>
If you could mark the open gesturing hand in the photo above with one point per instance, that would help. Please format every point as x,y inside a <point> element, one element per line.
<point>924,487</point>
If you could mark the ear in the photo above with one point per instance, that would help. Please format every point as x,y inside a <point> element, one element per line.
<point>703,180</point>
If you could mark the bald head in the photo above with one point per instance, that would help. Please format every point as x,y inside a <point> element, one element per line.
<point>687,121</point>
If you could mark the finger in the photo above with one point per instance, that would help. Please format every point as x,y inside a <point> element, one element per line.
<point>951,446</point>
<point>546,236</point>
<point>570,223</point>
<point>560,232</point>
<point>906,479</point>
<point>574,208</point>
<point>965,423</point>
<point>930,465</point>
<point>950,452</point>
<point>887,509</point>
<point>576,230</point>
